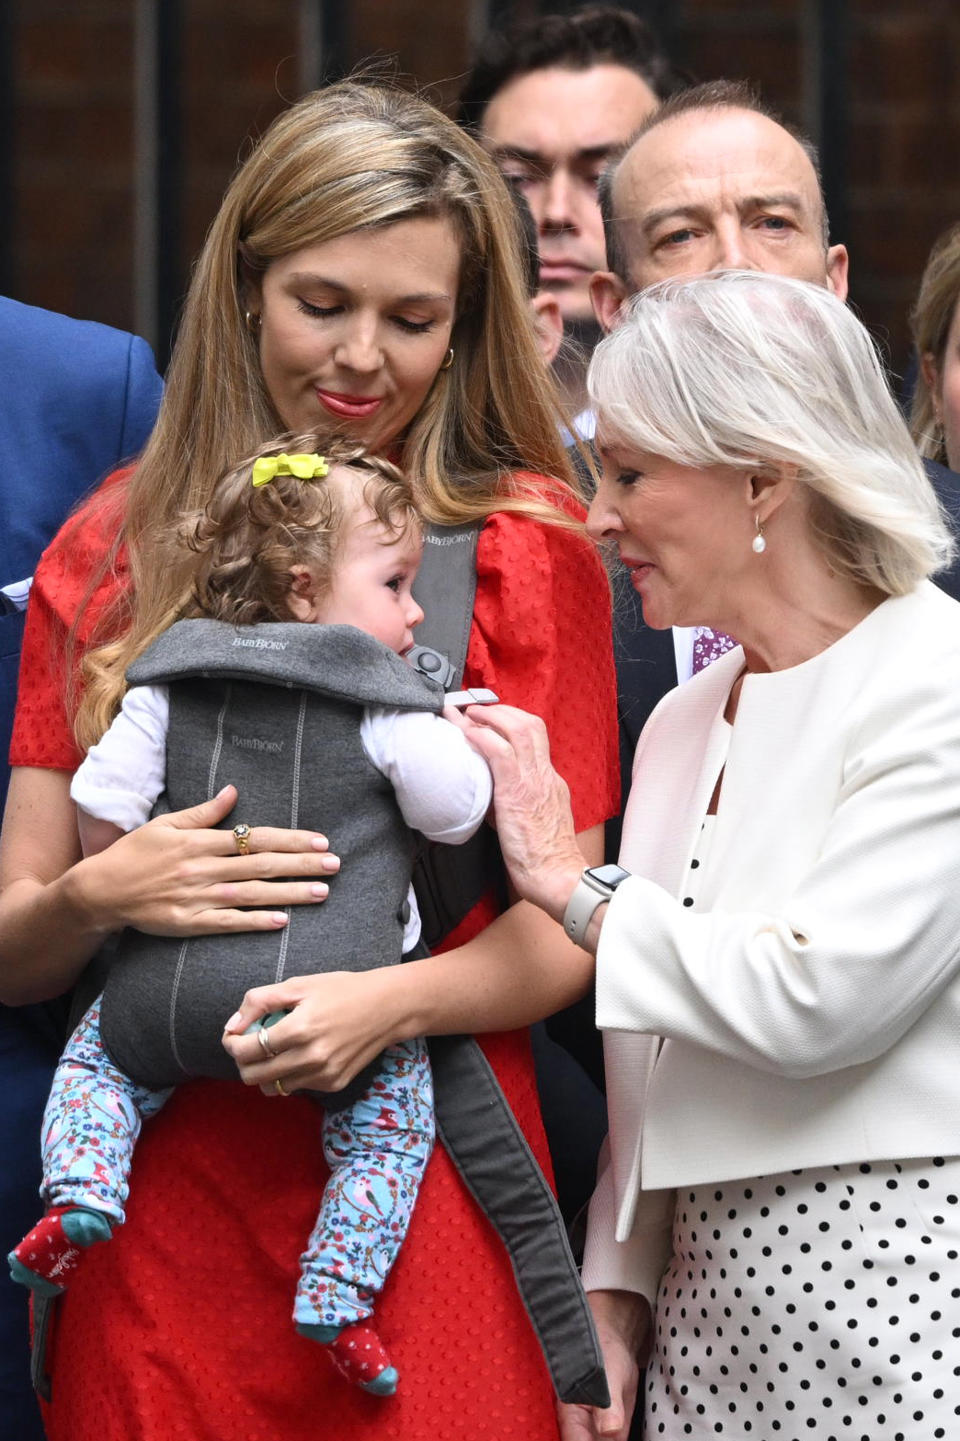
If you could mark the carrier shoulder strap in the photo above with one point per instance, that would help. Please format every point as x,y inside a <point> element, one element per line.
<point>481,1135</point>
<point>474,1121</point>
<point>449,880</point>
<point>446,587</point>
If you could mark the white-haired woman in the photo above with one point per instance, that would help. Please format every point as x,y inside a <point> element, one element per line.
<point>778,963</point>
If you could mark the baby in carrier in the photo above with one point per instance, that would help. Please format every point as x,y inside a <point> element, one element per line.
<point>285,677</point>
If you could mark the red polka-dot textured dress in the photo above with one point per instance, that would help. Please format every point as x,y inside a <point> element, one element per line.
<point>179,1329</point>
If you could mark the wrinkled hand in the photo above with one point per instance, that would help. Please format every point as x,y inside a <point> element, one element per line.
<point>531,803</point>
<point>623,1328</point>
<point>176,876</point>
<point>337,1023</point>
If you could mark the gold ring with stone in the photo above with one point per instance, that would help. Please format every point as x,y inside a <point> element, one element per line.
<point>241,836</point>
<point>278,1087</point>
<point>263,1036</point>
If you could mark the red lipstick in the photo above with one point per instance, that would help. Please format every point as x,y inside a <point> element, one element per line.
<point>350,407</point>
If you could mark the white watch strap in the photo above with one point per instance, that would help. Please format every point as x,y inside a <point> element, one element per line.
<point>587,896</point>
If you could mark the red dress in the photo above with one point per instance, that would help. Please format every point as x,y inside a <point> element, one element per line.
<point>179,1329</point>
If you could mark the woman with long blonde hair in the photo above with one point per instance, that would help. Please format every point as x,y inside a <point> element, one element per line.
<point>362,275</point>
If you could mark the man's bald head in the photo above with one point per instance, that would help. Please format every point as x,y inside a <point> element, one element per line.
<point>714,181</point>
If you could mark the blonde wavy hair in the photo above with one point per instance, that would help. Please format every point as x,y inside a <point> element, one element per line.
<point>247,538</point>
<point>354,156</point>
<point>930,322</point>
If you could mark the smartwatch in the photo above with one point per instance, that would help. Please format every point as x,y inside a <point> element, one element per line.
<point>596,885</point>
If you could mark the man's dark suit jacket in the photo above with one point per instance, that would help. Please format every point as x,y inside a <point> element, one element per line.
<point>76,399</point>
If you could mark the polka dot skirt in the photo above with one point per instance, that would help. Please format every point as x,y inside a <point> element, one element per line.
<point>820,1303</point>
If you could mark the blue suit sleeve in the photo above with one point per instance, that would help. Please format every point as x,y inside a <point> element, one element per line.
<point>143,391</point>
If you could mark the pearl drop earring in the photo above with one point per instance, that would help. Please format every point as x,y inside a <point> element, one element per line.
<point>758,544</point>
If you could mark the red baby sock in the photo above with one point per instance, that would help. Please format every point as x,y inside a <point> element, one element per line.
<point>48,1255</point>
<point>358,1354</point>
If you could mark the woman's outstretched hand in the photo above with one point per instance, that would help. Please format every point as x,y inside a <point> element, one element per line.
<point>531,803</point>
<point>336,1024</point>
<point>177,875</point>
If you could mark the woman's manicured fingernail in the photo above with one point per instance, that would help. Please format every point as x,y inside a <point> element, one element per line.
<point>320,890</point>
<point>279,918</point>
<point>233,1021</point>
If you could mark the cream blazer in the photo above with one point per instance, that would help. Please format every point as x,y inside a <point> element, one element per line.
<point>806,1011</point>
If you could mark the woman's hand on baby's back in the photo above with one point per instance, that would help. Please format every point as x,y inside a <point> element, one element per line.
<point>177,875</point>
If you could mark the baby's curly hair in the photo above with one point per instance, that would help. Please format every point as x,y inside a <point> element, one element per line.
<point>247,538</point>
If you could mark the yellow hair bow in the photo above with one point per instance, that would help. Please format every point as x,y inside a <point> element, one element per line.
<point>304,467</point>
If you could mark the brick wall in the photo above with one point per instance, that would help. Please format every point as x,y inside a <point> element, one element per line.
<point>73,157</point>
<point>73,141</point>
<point>902,101</point>
<point>904,174</point>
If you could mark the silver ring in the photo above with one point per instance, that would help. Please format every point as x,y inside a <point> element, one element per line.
<point>263,1036</point>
